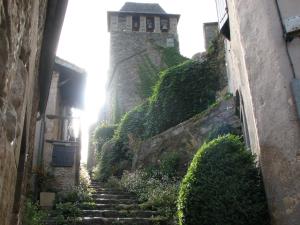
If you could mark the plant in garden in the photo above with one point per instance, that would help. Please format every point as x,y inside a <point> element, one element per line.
<point>223,186</point>
<point>66,213</point>
<point>74,195</point>
<point>33,215</point>
<point>156,193</point>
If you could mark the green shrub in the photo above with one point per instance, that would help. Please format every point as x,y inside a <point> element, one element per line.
<point>171,56</point>
<point>84,177</point>
<point>222,186</point>
<point>66,213</point>
<point>113,182</point>
<point>102,134</point>
<point>155,193</point>
<point>115,155</point>
<point>132,123</point>
<point>114,159</point>
<point>33,215</point>
<point>181,92</point>
<point>169,164</point>
<point>74,195</point>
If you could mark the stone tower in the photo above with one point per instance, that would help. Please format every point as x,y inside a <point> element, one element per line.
<point>139,33</point>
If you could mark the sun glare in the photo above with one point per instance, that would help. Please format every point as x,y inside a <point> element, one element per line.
<point>84,41</point>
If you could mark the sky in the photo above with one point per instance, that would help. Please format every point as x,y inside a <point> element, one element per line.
<point>84,41</point>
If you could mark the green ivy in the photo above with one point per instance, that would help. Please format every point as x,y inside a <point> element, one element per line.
<point>181,92</point>
<point>113,161</point>
<point>117,111</point>
<point>132,123</point>
<point>148,74</point>
<point>102,134</point>
<point>223,186</point>
<point>172,57</point>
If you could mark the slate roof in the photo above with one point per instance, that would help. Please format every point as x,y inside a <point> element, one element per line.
<point>149,8</point>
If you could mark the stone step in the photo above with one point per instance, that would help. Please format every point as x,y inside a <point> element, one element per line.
<point>114,196</point>
<point>115,192</point>
<point>96,188</point>
<point>111,206</point>
<point>119,213</point>
<point>118,221</point>
<point>115,201</point>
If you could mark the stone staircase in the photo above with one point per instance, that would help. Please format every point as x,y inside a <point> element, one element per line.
<point>115,206</point>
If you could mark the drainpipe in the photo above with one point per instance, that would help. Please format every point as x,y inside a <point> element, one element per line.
<point>40,153</point>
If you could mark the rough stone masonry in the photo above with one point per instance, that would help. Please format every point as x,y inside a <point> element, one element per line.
<point>22,26</point>
<point>138,32</point>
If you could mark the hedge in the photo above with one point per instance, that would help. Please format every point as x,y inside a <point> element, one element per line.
<point>223,186</point>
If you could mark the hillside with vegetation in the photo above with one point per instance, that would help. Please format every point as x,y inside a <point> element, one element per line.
<point>182,91</point>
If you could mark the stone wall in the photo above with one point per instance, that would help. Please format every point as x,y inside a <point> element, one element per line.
<point>21,26</point>
<point>128,51</point>
<point>260,71</point>
<point>184,138</point>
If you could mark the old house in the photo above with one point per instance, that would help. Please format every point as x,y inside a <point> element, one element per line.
<point>263,55</point>
<point>57,146</point>
<point>29,35</point>
<point>138,32</point>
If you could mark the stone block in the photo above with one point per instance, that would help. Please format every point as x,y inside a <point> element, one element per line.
<point>47,199</point>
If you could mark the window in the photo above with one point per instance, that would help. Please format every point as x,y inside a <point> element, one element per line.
<point>150,24</point>
<point>135,23</point>
<point>164,24</point>
<point>63,155</point>
<point>223,17</point>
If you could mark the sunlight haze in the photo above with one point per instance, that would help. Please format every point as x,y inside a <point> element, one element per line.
<point>84,41</point>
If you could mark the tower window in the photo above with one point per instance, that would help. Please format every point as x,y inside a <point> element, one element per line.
<point>149,24</point>
<point>135,23</point>
<point>164,24</point>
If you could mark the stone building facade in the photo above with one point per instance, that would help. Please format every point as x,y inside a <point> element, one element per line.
<point>263,55</point>
<point>29,32</point>
<point>210,32</point>
<point>57,148</point>
<point>138,32</point>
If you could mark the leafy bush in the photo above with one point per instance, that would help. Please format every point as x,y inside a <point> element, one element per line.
<point>133,123</point>
<point>66,213</point>
<point>114,159</point>
<point>222,186</point>
<point>156,193</point>
<point>102,134</point>
<point>84,177</point>
<point>74,195</point>
<point>113,182</point>
<point>33,215</point>
<point>170,164</point>
<point>181,92</point>
<point>171,56</point>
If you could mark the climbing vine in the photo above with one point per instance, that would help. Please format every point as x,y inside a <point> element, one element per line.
<point>181,92</point>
